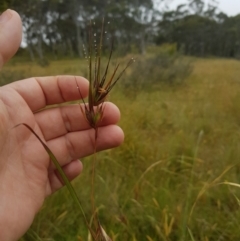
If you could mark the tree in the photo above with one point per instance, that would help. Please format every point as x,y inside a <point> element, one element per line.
<point>62,24</point>
<point>197,6</point>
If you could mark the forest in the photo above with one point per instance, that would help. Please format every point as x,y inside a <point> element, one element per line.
<point>57,28</point>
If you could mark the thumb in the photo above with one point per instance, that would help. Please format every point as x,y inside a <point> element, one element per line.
<point>10,35</point>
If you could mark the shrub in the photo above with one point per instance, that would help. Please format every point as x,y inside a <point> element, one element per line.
<point>153,72</point>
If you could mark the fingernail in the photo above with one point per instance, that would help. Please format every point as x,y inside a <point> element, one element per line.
<point>5,16</point>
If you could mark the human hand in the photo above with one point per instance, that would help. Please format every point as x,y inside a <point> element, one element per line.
<point>27,175</point>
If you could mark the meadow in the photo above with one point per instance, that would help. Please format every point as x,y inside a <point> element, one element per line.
<point>176,176</point>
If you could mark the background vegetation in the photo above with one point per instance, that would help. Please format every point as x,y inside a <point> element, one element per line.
<point>181,142</point>
<point>180,114</point>
<point>56,29</point>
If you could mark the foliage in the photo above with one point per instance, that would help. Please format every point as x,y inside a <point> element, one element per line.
<point>55,29</point>
<point>199,32</point>
<point>4,4</point>
<point>60,27</point>
<point>152,72</point>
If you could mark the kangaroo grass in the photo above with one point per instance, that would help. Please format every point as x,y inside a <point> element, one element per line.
<point>100,86</point>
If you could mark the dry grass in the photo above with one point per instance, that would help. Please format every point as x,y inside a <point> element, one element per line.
<point>142,187</point>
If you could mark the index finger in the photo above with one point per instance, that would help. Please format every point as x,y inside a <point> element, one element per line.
<point>39,92</point>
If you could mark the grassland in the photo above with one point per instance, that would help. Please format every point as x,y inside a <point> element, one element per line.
<point>168,181</point>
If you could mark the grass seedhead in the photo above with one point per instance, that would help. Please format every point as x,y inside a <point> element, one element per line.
<point>93,114</point>
<point>100,85</point>
<point>102,89</point>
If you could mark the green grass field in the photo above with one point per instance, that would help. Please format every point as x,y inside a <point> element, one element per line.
<point>168,181</point>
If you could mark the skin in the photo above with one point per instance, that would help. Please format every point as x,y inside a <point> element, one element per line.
<point>27,175</point>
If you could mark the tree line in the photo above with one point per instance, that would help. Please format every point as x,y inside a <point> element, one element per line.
<point>201,33</point>
<point>59,27</point>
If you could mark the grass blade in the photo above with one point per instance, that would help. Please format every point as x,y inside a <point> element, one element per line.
<point>61,172</point>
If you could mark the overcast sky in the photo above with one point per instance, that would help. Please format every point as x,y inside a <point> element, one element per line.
<point>230,7</point>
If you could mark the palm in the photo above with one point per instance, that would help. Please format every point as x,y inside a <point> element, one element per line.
<point>26,173</point>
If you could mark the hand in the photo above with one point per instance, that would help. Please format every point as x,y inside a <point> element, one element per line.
<point>27,175</point>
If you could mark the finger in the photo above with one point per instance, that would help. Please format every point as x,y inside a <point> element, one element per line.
<point>57,122</point>
<point>10,35</point>
<point>50,90</point>
<point>80,144</point>
<point>72,170</point>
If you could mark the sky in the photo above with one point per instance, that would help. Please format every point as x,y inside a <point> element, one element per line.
<point>230,7</point>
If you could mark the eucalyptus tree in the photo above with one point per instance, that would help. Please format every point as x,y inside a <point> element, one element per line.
<point>34,18</point>
<point>60,26</point>
<point>131,20</point>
